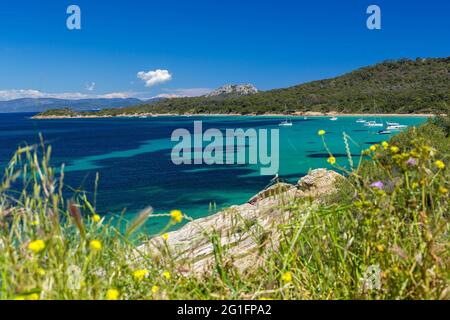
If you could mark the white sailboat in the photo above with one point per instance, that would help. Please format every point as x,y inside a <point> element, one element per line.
<point>373,123</point>
<point>287,122</point>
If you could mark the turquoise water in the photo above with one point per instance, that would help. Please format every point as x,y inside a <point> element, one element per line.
<point>132,157</point>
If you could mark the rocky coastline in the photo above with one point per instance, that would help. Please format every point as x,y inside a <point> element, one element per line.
<point>240,227</point>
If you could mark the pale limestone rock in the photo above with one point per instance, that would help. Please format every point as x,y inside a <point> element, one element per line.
<point>245,231</point>
<point>318,182</point>
<point>234,89</point>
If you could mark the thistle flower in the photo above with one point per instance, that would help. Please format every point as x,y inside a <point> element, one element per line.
<point>177,216</point>
<point>377,185</point>
<point>36,246</point>
<point>412,162</point>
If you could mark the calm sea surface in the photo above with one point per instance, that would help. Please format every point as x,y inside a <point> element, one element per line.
<point>133,159</point>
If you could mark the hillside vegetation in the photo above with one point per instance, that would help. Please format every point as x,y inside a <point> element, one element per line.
<point>402,86</point>
<point>390,214</point>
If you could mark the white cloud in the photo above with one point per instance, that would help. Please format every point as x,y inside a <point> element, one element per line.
<point>152,78</point>
<point>30,93</point>
<point>90,86</point>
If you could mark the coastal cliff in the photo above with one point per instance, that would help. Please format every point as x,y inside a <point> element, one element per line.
<point>246,231</point>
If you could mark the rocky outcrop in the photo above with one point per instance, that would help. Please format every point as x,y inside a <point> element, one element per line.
<point>234,90</point>
<point>318,183</point>
<point>245,231</point>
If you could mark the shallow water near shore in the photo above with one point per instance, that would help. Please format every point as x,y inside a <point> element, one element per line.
<point>132,157</point>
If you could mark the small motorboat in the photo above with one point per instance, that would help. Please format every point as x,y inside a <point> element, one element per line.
<point>397,127</point>
<point>333,118</point>
<point>361,121</point>
<point>384,132</point>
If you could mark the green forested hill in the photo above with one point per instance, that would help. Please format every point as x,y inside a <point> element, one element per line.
<point>401,86</point>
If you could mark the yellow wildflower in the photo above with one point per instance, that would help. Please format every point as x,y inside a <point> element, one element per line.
<point>40,271</point>
<point>155,289</point>
<point>96,218</point>
<point>380,248</point>
<point>33,296</point>
<point>177,216</point>
<point>112,294</point>
<point>139,275</point>
<point>37,246</point>
<point>395,149</point>
<point>321,132</point>
<point>286,277</point>
<point>373,147</point>
<point>331,160</point>
<point>415,185</point>
<point>385,145</point>
<point>95,245</point>
<point>166,274</point>
<point>443,190</point>
<point>440,164</point>
<point>165,236</point>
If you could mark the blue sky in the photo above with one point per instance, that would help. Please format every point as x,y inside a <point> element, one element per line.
<point>204,44</point>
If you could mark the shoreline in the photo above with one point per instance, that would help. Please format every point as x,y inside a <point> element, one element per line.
<point>296,114</point>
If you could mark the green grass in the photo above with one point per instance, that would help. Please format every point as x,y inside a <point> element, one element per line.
<point>56,248</point>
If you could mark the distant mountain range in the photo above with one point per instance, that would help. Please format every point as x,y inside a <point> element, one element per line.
<point>43,104</point>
